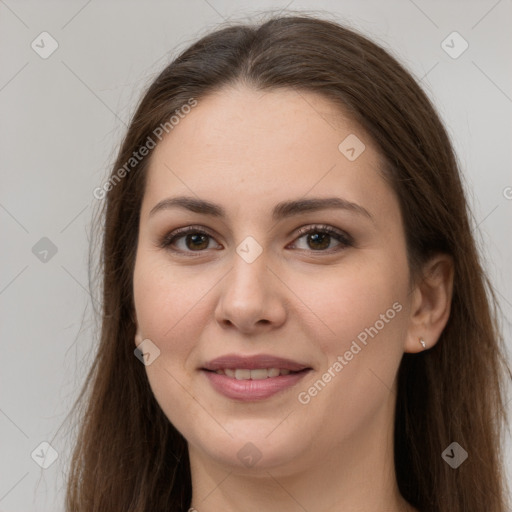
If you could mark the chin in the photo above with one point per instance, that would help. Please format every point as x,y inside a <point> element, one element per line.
<point>253,447</point>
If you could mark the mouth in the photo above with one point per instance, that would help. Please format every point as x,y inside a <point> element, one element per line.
<point>256,374</point>
<point>256,362</point>
<point>254,377</point>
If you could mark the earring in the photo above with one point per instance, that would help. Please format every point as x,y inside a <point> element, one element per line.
<point>423,344</point>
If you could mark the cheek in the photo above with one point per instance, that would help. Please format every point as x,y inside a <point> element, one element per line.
<point>366,310</point>
<point>353,298</point>
<point>165,299</point>
<point>170,313</point>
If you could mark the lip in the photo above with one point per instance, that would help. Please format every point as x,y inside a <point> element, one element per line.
<point>253,362</point>
<point>253,390</point>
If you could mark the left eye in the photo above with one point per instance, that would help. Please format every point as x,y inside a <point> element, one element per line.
<point>319,239</point>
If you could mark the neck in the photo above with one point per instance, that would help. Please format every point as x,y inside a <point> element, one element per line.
<point>356,475</point>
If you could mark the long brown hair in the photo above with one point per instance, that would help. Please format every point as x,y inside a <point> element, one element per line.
<point>128,456</point>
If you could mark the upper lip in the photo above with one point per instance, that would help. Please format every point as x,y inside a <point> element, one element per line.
<point>234,361</point>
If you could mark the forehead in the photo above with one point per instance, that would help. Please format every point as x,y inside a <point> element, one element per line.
<point>259,147</point>
<point>241,117</point>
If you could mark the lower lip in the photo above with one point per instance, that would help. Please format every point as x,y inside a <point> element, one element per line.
<point>250,390</point>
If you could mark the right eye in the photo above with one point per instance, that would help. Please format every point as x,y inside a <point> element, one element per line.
<point>194,239</point>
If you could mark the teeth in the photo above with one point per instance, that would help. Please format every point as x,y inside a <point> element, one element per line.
<point>242,374</point>
<point>259,374</point>
<point>256,374</point>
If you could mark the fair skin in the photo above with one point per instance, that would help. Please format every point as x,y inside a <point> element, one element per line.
<point>300,299</point>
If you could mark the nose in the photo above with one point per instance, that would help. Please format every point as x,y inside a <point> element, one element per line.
<point>252,298</point>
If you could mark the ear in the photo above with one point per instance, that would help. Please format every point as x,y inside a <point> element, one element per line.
<point>138,335</point>
<point>138,338</point>
<point>431,303</point>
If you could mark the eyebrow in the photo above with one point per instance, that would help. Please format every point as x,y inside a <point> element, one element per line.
<point>282,210</point>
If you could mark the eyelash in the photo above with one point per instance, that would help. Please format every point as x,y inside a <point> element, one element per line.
<point>344,239</point>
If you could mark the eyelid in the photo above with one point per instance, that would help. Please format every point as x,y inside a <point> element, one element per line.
<point>344,239</point>
<point>167,239</point>
<point>304,230</point>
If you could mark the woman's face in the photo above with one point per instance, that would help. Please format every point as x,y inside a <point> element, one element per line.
<point>249,288</point>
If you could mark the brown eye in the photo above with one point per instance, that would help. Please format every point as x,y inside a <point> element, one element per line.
<point>319,238</point>
<point>191,239</point>
<point>196,241</point>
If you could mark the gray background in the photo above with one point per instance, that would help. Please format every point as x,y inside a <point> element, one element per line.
<point>61,121</point>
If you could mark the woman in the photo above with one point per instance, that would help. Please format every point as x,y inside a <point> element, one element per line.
<point>295,316</point>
